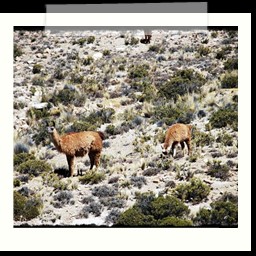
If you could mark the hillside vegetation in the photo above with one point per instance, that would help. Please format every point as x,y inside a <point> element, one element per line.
<point>109,81</point>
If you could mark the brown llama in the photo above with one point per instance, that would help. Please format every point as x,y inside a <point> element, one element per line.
<point>177,134</point>
<point>78,144</point>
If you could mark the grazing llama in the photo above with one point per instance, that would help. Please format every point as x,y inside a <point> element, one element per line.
<point>177,134</point>
<point>78,144</point>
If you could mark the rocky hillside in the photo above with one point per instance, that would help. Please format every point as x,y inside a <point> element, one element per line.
<point>110,82</point>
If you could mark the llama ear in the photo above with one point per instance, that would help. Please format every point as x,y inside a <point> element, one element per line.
<point>53,123</point>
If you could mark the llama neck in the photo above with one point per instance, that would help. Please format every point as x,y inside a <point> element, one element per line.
<point>56,140</point>
<point>168,142</point>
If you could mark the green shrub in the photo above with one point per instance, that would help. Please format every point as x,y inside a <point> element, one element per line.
<point>76,78</point>
<point>41,135</point>
<point>168,206</point>
<point>17,51</point>
<point>38,80</point>
<point>79,126</point>
<point>148,92</point>
<point>16,183</point>
<point>139,71</point>
<point>18,105</point>
<point>214,34</point>
<point>225,117</point>
<point>26,208</point>
<point>111,129</point>
<point>235,98</point>
<point>33,167</point>
<point>92,178</point>
<point>22,158</point>
<point>99,117</point>
<point>53,180</point>
<point>170,115</point>
<point>59,74</point>
<point>131,41</point>
<point>144,202</point>
<point>87,61</point>
<point>229,197</point>
<point>182,82</point>
<point>106,52</point>
<point>121,67</point>
<point>174,222</point>
<point>202,139</point>
<point>194,191</point>
<point>232,33</point>
<point>134,218</point>
<point>223,52</point>
<point>231,64</point>
<point>91,87</point>
<point>222,214</point>
<point>37,68</point>
<point>203,217</point>
<point>156,48</point>
<point>230,80</point>
<point>73,55</point>
<point>151,211</point>
<point>80,41</point>
<point>225,138</point>
<point>203,51</point>
<point>90,39</point>
<point>165,164</point>
<point>38,113</point>
<point>32,90</point>
<point>218,170</point>
<point>68,96</point>
<point>192,159</point>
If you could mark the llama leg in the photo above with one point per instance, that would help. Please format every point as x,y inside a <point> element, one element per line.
<point>183,146</point>
<point>71,165</point>
<point>97,160</point>
<point>174,145</point>
<point>189,146</point>
<point>174,152</point>
<point>92,159</point>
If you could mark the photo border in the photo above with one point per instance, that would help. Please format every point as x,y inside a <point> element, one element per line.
<point>173,239</point>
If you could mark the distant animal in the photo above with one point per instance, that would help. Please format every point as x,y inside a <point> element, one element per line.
<point>148,35</point>
<point>78,144</point>
<point>177,134</point>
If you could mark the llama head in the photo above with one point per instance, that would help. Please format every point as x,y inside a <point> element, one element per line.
<point>166,149</point>
<point>50,128</point>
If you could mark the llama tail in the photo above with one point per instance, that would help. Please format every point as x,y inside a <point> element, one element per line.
<point>101,135</point>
